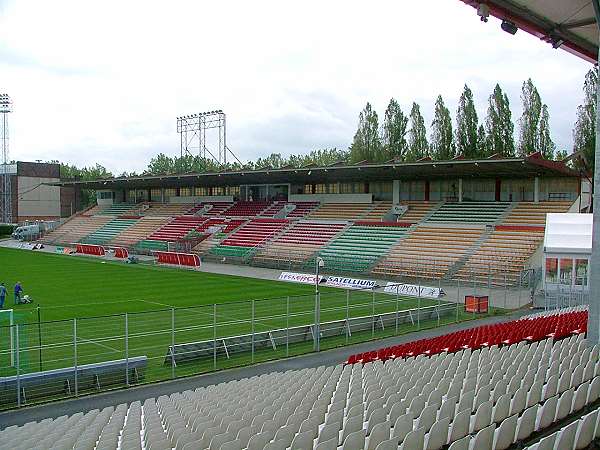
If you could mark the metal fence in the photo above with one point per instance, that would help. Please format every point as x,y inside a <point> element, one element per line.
<point>48,360</point>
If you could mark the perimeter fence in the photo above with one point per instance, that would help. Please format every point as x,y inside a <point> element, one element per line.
<point>46,360</point>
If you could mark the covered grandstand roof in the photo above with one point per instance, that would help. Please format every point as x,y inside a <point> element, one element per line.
<point>529,166</point>
<point>566,24</point>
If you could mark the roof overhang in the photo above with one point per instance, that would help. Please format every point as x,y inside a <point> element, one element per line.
<point>567,24</point>
<point>525,167</point>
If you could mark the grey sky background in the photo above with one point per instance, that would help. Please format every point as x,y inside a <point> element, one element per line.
<point>104,81</point>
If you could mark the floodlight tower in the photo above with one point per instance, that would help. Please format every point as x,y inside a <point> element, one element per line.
<point>192,130</point>
<point>5,173</point>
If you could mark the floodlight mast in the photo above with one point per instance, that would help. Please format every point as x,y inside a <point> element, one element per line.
<point>5,173</point>
<point>192,136</point>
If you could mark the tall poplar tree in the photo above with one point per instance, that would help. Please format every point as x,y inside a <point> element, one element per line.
<point>584,133</point>
<point>498,125</point>
<point>394,143</point>
<point>467,126</point>
<point>418,147</point>
<point>545,143</point>
<point>530,118</point>
<point>442,139</point>
<point>366,144</point>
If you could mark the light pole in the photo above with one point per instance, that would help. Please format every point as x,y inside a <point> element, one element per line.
<point>317,328</point>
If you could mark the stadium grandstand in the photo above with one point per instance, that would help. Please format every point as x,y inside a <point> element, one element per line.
<point>526,381</point>
<point>468,220</point>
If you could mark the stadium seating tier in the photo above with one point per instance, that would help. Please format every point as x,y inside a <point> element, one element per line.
<point>301,240</point>
<point>249,236</point>
<point>428,252</point>
<point>483,397</point>
<point>360,246</point>
<point>469,212</point>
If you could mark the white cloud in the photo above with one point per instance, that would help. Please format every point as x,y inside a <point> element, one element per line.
<point>103,82</point>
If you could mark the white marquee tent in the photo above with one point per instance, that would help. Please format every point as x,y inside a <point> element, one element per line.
<point>567,250</point>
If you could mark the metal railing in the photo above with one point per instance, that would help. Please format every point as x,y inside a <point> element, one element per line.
<point>64,358</point>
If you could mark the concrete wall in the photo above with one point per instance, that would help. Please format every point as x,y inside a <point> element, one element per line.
<point>332,198</point>
<point>36,199</point>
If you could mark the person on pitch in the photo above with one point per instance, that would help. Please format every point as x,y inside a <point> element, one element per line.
<point>18,292</point>
<point>2,295</point>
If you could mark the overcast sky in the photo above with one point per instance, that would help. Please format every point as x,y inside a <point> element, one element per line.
<point>104,82</point>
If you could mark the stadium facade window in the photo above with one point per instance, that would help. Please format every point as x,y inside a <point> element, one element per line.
<point>320,189</point>
<point>333,188</point>
<point>200,191</point>
<point>521,190</point>
<point>170,192</point>
<point>443,190</point>
<point>218,190</point>
<point>551,270</point>
<point>581,271</point>
<point>155,195</point>
<point>131,197</point>
<point>566,271</point>
<point>412,190</point>
<point>105,195</point>
<point>142,195</point>
<point>347,188</point>
<point>380,187</point>
<point>185,192</point>
<point>233,190</point>
<point>558,189</point>
<point>308,189</point>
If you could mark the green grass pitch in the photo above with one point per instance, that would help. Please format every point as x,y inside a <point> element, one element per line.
<point>99,292</point>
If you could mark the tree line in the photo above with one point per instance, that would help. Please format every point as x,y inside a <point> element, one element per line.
<point>404,137</point>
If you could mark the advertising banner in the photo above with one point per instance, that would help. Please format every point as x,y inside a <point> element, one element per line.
<point>350,283</point>
<point>413,290</point>
<point>304,278</point>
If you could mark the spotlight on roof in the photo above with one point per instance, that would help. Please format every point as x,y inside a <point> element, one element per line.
<point>483,11</point>
<point>556,42</point>
<point>509,27</point>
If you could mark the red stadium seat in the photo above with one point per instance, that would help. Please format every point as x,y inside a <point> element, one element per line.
<point>557,326</point>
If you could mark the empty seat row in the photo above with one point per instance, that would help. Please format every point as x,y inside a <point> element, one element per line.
<point>530,213</point>
<point>488,398</point>
<point>108,231</point>
<point>298,242</point>
<point>428,252</point>
<point>557,324</point>
<point>473,212</point>
<point>249,236</point>
<point>360,246</point>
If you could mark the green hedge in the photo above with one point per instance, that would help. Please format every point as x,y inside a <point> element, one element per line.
<point>6,230</point>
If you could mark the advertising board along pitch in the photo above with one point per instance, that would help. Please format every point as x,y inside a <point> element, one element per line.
<point>413,290</point>
<point>330,281</point>
<point>350,283</point>
<point>304,278</point>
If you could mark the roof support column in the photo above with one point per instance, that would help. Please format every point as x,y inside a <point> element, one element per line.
<point>396,192</point>
<point>536,190</point>
<point>593,333</point>
<point>460,190</point>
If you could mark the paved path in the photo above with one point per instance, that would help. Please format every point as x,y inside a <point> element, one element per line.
<point>328,357</point>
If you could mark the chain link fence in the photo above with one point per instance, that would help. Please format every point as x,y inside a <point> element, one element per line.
<point>48,360</point>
